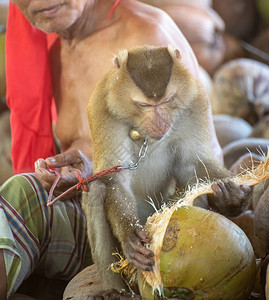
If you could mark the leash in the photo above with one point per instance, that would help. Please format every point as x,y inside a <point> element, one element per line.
<point>83,181</point>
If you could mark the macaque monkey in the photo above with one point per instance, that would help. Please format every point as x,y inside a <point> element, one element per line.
<point>147,97</point>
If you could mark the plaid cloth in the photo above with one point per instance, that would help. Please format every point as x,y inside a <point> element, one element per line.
<point>51,240</point>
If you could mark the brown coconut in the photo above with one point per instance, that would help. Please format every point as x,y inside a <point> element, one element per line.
<point>233,151</point>
<point>240,16</point>
<point>260,49</point>
<point>230,129</point>
<point>261,129</point>
<point>233,48</point>
<point>84,284</point>
<point>240,89</point>
<point>204,32</point>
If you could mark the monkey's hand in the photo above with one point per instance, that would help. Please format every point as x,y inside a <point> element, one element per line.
<point>68,164</point>
<point>135,251</point>
<point>229,199</point>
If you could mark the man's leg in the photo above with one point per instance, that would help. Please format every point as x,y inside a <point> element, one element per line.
<point>34,236</point>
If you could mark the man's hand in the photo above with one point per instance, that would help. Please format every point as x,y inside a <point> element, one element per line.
<point>68,164</point>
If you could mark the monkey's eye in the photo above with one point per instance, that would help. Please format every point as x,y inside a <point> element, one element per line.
<point>167,100</point>
<point>170,99</point>
<point>143,104</point>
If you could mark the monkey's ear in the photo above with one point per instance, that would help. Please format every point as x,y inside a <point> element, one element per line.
<point>116,62</point>
<point>177,54</point>
<point>120,59</point>
<point>174,52</point>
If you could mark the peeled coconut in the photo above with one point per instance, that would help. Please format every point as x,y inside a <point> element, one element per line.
<point>240,89</point>
<point>199,254</point>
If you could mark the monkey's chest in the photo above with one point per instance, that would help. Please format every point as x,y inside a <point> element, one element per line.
<point>152,184</point>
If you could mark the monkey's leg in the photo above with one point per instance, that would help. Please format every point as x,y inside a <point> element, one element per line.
<point>102,241</point>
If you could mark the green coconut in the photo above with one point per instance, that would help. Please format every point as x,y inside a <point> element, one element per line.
<point>203,256</point>
<point>198,254</point>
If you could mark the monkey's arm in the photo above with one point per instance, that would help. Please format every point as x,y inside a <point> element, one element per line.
<point>228,199</point>
<point>121,212</point>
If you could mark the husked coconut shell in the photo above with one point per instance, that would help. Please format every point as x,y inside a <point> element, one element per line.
<point>240,89</point>
<point>240,16</point>
<point>261,47</point>
<point>204,32</point>
<point>261,129</point>
<point>233,48</point>
<point>230,129</point>
<point>233,151</point>
<point>84,284</point>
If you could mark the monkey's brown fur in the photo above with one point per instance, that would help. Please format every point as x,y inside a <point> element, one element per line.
<point>150,90</point>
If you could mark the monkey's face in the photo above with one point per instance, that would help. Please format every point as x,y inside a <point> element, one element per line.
<point>151,88</point>
<point>154,119</point>
<point>51,15</point>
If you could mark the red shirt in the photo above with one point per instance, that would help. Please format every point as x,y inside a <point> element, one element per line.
<point>29,94</point>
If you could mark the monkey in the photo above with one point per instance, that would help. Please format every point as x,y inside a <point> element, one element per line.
<point>147,98</point>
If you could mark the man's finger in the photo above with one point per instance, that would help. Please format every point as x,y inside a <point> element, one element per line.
<point>64,159</point>
<point>41,164</point>
<point>45,175</point>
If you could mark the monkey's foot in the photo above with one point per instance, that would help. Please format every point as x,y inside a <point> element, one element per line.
<point>114,295</point>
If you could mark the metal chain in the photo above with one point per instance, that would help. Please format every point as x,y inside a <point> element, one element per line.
<point>142,153</point>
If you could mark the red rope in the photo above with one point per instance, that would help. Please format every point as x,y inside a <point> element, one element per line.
<point>81,184</point>
<point>113,9</point>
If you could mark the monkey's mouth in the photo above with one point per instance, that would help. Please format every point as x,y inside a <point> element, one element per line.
<point>157,132</point>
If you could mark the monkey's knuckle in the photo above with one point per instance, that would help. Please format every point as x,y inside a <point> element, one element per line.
<point>132,261</point>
